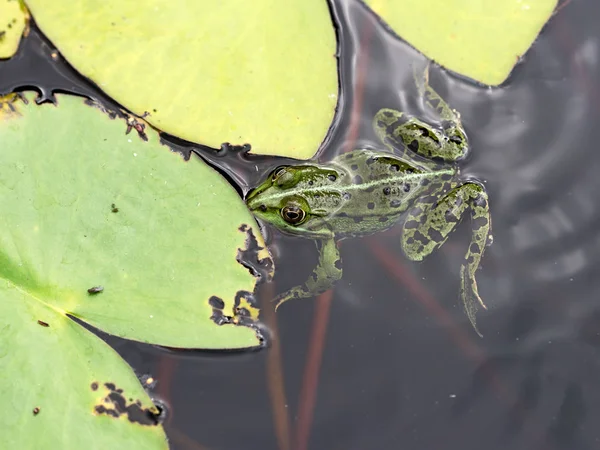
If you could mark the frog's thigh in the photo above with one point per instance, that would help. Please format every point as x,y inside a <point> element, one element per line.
<point>428,226</point>
<point>455,144</point>
<point>401,132</point>
<point>324,275</point>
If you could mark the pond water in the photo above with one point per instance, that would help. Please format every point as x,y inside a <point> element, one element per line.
<point>389,360</point>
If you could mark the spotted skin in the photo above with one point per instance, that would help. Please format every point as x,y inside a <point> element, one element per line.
<point>366,191</point>
<point>428,226</point>
<point>402,133</point>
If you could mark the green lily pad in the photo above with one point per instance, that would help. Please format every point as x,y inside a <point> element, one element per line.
<point>59,383</point>
<point>260,72</point>
<point>480,39</point>
<point>13,18</point>
<point>85,205</point>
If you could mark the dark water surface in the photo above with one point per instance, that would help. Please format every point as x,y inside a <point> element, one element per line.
<point>401,367</point>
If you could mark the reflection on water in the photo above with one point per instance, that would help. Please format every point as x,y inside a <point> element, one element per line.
<point>401,367</point>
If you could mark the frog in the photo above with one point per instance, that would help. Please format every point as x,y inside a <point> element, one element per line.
<point>414,180</point>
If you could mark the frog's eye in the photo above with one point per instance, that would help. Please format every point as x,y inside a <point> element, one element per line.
<point>279,172</point>
<point>293,214</point>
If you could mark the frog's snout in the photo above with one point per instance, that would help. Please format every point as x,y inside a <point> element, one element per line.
<point>255,204</point>
<point>261,207</point>
<point>250,194</point>
<point>251,198</point>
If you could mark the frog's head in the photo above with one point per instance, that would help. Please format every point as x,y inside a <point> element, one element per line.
<point>297,199</point>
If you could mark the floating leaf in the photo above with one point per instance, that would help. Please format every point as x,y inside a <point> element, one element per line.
<point>480,39</point>
<point>125,235</point>
<point>56,383</point>
<point>12,24</point>
<point>259,72</point>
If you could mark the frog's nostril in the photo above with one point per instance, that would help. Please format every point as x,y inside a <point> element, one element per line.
<point>263,208</point>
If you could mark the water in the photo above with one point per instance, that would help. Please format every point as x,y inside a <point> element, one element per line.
<point>401,367</point>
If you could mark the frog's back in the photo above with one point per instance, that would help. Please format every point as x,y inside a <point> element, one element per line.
<point>379,187</point>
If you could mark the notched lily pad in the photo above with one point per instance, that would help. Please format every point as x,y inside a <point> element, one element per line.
<point>120,232</point>
<point>13,22</point>
<point>255,256</point>
<point>48,364</point>
<point>166,207</point>
<point>482,40</point>
<point>115,404</point>
<point>260,72</point>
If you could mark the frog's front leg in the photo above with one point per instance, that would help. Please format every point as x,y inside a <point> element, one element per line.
<point>428,226</point>
<point>323,277</point>
<point>400,131</point>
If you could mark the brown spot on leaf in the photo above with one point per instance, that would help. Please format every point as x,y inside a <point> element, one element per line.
<point>42,323</point>
<point>219,318</point>
<point>95,290</point>
<point>94,386</point>
<point>36,410</point>
<point>111,114</point>
<point>245,309</point>
<point>244,312</point>
<point>217,304</point>
<point>137,125</point>
<point>117,406</point>
<point>254,257</point>
<point>9,104</point>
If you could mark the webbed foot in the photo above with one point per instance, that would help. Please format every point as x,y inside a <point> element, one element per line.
<point>323,277</point>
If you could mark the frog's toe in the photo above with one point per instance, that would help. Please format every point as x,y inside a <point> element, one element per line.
<point>421,78</point>
<point>278,301</point>
<point>282,298</point>
<point>470,297</point>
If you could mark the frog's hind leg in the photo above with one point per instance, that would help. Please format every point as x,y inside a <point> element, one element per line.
<point>427,227</point>
<point>432,98</point>
<point>323,277</point>
<point>454,133</point>
<point>401,132</point>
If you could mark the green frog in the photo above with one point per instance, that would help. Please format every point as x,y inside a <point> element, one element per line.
<point>366,191</point>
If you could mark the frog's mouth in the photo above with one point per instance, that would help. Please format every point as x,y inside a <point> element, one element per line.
<point>253,193</point>
<point>253,203</point>
<point>257,208</point>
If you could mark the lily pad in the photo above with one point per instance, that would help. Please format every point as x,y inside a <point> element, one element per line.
<point>13,18</point>
<point>85,205</point>
<point>480,39</point>
<point>260,72</point>
<point>57,381</point>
